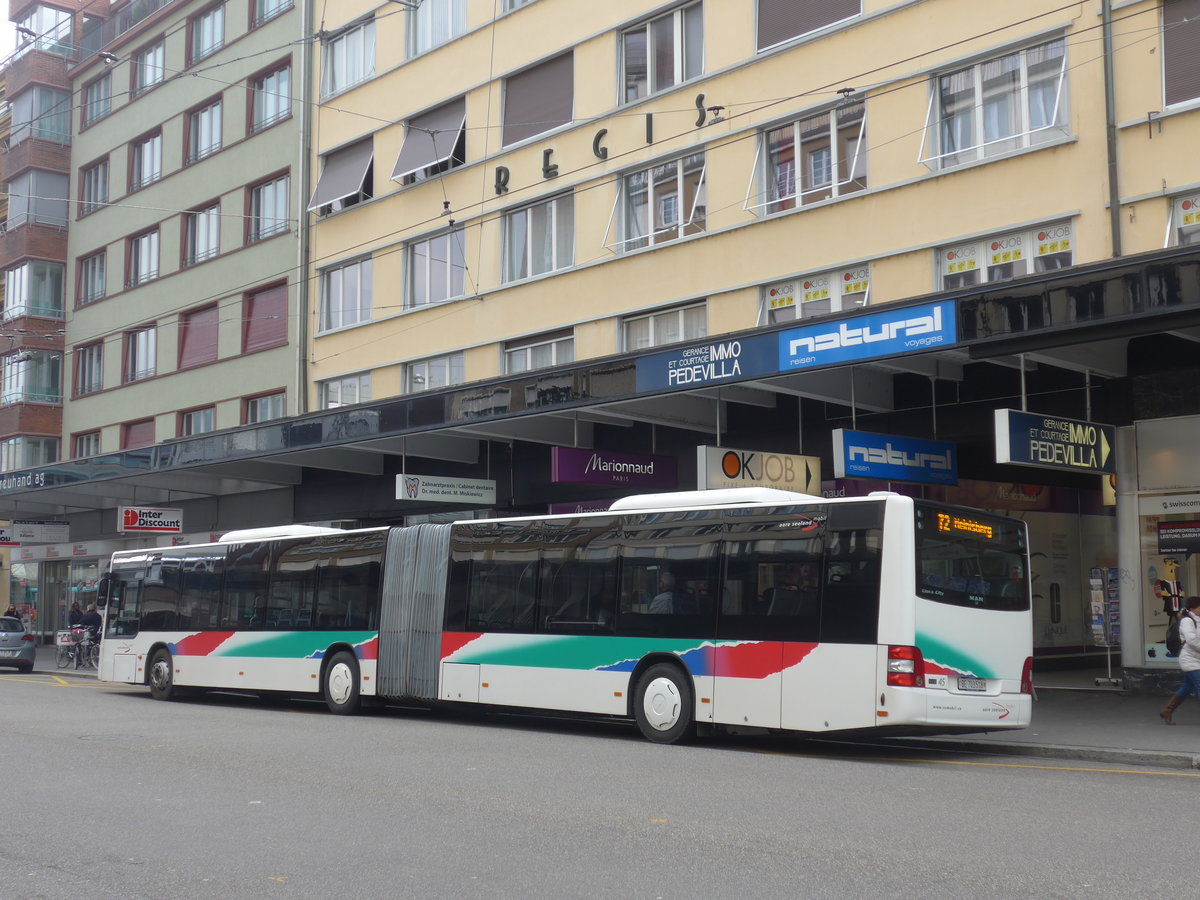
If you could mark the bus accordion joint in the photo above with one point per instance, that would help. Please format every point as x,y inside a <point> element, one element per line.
<point>905,666</point>
<point>1027,676</point>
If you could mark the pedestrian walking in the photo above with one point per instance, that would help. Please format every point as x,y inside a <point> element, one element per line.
<point>1189,658</point>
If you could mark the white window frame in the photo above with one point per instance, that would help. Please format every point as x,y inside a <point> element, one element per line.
<point>433,23</point>
<point>143,258</point>
<point>147,165</point>
<point>269,206</point>
<point>93,191</point>
<point>818,294</point>
<point>346,295</point>
<point>422,270</point>
<point>557,214</point>
<point>31,376</point>
<point>197,421</point>
<point>434,372</point>
<point>97,98</point>
<point>266,407</point>
<point>34,288</point>
<point>681,22</point>
<point>141,354</point>
<point>271,100</point>
<point>45,28</point>
<point>995,258</point>
<point>266,10</point>
<point>202,234</point>
<point>661,330</point>
<point>653,236</point>
<point>348,58</point>
<point>93,285</point>
<point>149,68</point>
<point>555,350</point>
<point>331,391</point>
<point>89,368</point>
<point>25,451</point>
<point>204,131</point>
<point>972,125</point>
<point>207,33</point>
<point>86,444</point>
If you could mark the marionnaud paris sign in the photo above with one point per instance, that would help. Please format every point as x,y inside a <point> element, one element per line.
<point>887,333</point>
<point>440,489</point>
<point>860,454</point>
<point>576,466</point>
<point>1052,442</point>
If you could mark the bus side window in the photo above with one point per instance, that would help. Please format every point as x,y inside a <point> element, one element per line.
<point>850,597</point>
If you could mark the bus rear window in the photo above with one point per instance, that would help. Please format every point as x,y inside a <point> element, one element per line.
<point>969,558</point>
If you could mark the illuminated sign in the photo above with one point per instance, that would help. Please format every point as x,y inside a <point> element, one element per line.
<point>861,454</point>
<point>151,519</point>
<point>948,523</point>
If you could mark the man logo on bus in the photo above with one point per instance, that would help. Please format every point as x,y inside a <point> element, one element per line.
<point>412,485</point>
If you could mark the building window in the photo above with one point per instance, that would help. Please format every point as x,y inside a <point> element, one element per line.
<point>31,376</point>
<point>515,4</point>
<point>540,352</point>
<point>663,203</point>
<point>782,20</point>
<point>270,101</point>
<point>347,178</point>
<point>683,323</point>
<point>145,161</point>
<point>1009,103</point>
<point>197,421</point>
<point>434,142</point>
<point>38,196</point>
<point>148,68</point>
<point>198,337</point>
<point>89,368</point>
<point>207,32</point>
<point>34,289</point>
<point>1185,220</point>
<point>265,318</point>
<point>1181,40</point>
<point>348,58</point>
<point>41,112</point>
<point>143,259</point>
<point>815,295</point>
<point>539,238</point>
<point>264,409</point>
<point>26,452</point>
<point>92,285</point>
<point>539,99</point>
<point>204,131</point>
<point>438,372</point>
<point>435,22</point>
<point>437,269</point>
<point>1006,256</point>
<point>140,353</point>
<point>345,295</point>
<point>47,29</point>
<point>93,191</point>
<point>86,445</point>
<point>828,151</point>
<point>97,98</point>
<point>202,234</point>
<point>662,52</point>
<point>265,10</point>
<point>137,434</point>
<point>268,209</point>
<point>344,391</point>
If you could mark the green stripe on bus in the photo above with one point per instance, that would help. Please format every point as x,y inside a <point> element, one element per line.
<point>582,653</point>
<point>952,658</point>
<point>291,645</point>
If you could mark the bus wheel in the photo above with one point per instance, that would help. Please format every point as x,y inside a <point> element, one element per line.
<point>162,685</point>
<point>663,705</point>
<point>341,684</point>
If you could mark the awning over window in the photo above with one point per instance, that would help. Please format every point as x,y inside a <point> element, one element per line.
<point>430,138</point>
<point>343,174</point>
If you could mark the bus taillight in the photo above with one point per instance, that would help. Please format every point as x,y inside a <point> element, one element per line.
<point>905,667</point>
<point>1027,676</point>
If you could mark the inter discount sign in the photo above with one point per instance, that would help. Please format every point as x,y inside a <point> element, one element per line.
<point>153,519</point>
<point>1052,442</point>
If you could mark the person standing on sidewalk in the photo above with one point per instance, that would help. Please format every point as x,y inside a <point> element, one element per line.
<point>1189,658</point>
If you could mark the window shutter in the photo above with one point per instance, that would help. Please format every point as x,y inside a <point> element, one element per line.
<point>539,99</point>
<point>198,338</point>
<point>265,319</point>
<point>1181,41</point>
<point>782,20</point>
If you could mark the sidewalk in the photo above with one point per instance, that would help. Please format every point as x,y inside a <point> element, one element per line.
<point>1072,719</point>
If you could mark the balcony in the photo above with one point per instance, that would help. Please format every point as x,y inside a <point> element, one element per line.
<point>36,67</point>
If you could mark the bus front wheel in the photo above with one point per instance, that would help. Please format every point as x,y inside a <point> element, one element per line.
<point>341,684</point>
<point>162,683</point>
<point>663,705</point>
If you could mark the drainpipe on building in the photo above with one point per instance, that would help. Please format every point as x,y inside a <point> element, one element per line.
<point>302,289</point>
<point>1110,122</point>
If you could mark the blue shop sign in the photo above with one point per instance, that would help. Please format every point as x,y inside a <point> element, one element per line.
<point>1053,442</point>
<point>906,330</point>
<point>860,454</point>
<point>709,363</point>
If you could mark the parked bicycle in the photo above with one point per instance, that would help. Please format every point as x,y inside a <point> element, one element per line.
<point>77,647</point>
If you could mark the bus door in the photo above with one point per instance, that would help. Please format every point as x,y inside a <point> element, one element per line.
<point>122,598</point>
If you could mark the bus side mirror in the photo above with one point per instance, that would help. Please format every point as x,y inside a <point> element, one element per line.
<point>102,589</point>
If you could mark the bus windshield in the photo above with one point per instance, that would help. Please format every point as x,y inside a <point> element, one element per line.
<point>969,558</point>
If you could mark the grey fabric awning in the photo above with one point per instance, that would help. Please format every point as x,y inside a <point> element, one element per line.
<point>343,174</point>
<point>430,138</point>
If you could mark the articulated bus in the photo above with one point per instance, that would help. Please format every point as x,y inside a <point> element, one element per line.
<point>740,610</point>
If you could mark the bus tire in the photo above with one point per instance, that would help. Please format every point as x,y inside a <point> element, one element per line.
<point>663,705</point>
<point>161,676</point>
<point>340,684</point>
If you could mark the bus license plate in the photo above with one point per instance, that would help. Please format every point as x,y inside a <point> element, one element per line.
<point>972,684</point>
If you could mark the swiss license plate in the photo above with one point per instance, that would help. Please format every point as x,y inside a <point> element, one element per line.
<point>972,684</point>
<point>8,653</point>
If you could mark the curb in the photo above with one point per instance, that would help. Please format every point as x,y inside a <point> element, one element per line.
<point>1165,759</point>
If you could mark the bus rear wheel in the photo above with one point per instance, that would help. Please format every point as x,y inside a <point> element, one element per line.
<point>663,705</point>
<point>162,682</point>
<point>341,684</point>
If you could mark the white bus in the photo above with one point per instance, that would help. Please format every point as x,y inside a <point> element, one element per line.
<point>728,610</point>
